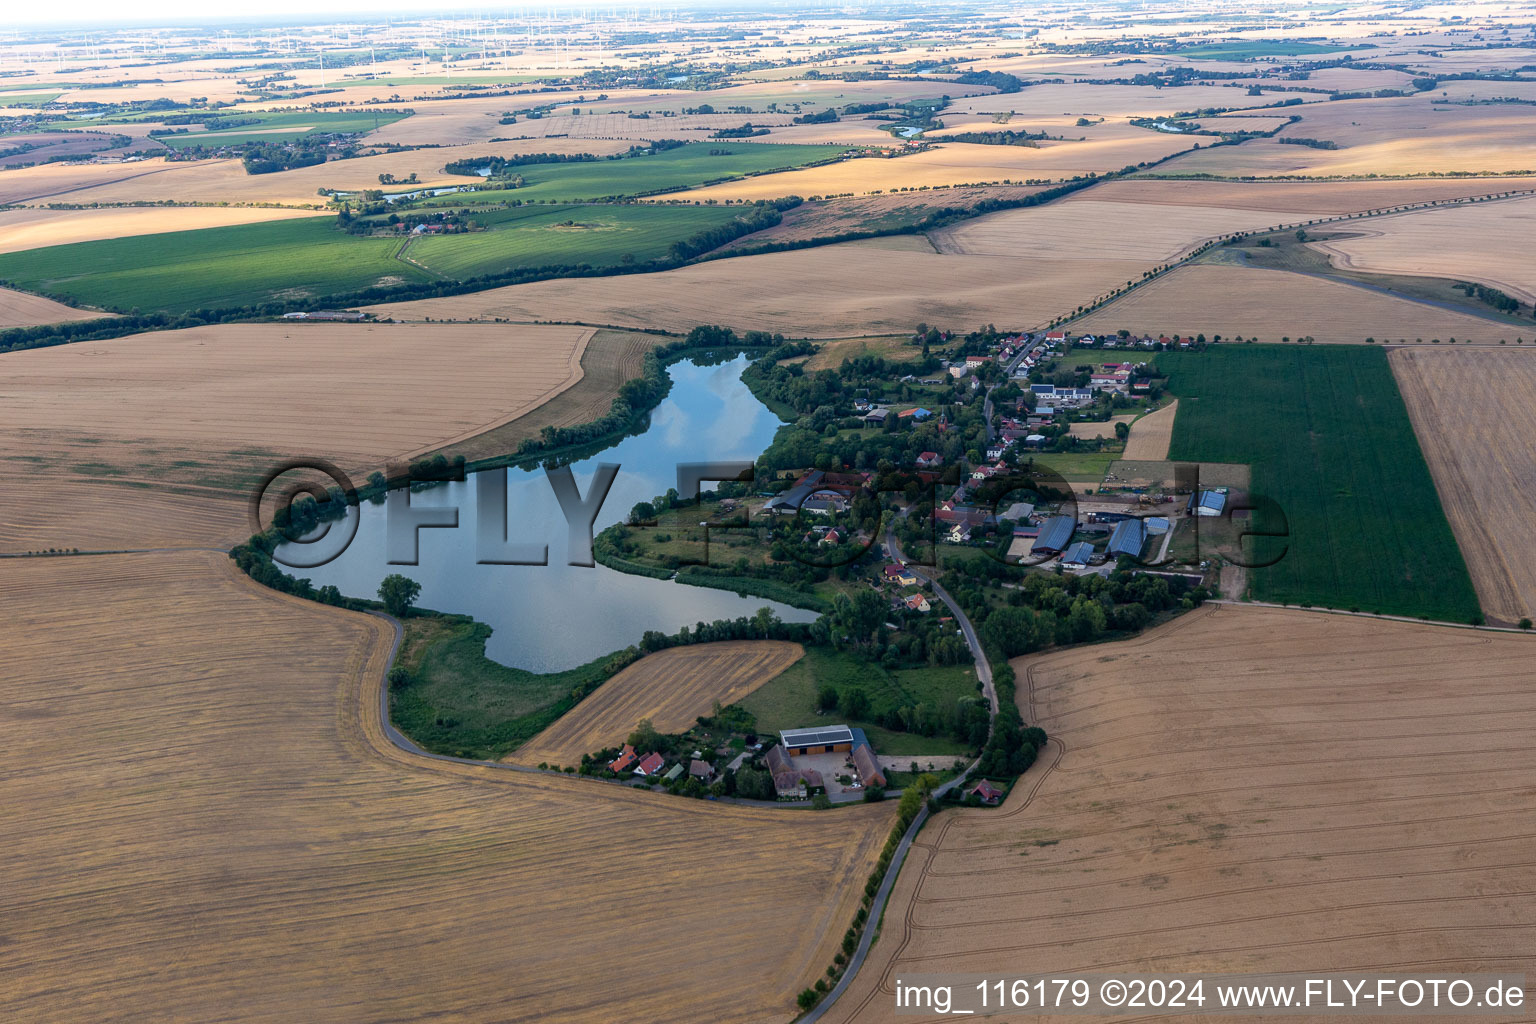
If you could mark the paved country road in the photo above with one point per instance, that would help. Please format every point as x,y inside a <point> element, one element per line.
<point>877,908</point>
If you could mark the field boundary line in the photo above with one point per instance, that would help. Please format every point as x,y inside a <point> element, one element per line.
<point>1371,615</point>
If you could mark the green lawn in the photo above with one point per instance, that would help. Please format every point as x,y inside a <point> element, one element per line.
<point>1077,467</point>
<point>531,236</point>
<point>459,702</point>
<point>695,164</point>
<point>1328,437</point>
<point>788,701</point>
<point>211,267</point>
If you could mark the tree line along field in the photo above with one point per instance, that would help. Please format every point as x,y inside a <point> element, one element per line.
<point>535,236</point>
<point>1329,440</point>
<point>694,164</point>
<point>671,688</point>
<point>1244,789</point>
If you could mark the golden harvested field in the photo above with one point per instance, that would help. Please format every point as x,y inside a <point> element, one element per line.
<point>23,309</point>
<point>1474,411</point>
<point>855,213</point>
<point>1246,789</point>
<point>1274,304</point>
<point>1409,135</point>
<point>954,163</point>
<point>672,688</point>
<point>1095,230</point>
<point>608,360</point>
<point>212,408</point>
<point>33,228</point>
<point>1151,435</point>
<point>834,291</point>
<point>1089,431</point>
<point>1300,199</point>
<point>1486,242</point>
<point>204,813</point>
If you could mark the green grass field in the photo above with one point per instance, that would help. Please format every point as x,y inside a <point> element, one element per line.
<point>1328,437</point>
<point>284,126</point>
<point>788,701</point>
<point>686,166</point>
<point>459,702</point>
<point>27,99</point>
<point>531,236</point>
<point>212,267</point>
<point>242,265</point>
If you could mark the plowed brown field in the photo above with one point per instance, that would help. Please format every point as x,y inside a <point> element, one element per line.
<point>1244,790</point>
<point>671,688</point>
<point>204,817</point>
<point>1474,411</point>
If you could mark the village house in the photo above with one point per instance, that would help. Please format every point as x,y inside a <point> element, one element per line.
<point>624,760</point>
<point>650,764</point>
<point>985,792</point>
<point>929,460</point>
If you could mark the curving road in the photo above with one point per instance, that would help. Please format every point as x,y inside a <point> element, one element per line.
<point>877,908</point>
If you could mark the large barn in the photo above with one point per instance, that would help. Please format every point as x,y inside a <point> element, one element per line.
<point>826,739</point>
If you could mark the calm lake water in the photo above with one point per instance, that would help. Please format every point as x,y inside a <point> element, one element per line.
<point>556,616</point>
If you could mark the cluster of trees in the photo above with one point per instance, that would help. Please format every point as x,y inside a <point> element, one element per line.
<point>763,215</point>
<point>1002,137</point>
<point>1044,610</point>
<point>745,131</point>
<point>268,158</point>
<point>764,624</point>
<point>496,165</point>
<point>821,117</point>
<point>999,80</point>
<point>1298,140</point>
<point>1492,296</point>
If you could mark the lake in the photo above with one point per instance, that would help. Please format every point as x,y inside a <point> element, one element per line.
<point>552,617</point>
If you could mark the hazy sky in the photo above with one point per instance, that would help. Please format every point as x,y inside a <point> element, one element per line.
<point>83,13</point>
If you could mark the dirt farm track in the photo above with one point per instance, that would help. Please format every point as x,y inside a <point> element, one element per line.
<point>1243,790</point>
<point>205,822</point>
